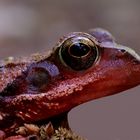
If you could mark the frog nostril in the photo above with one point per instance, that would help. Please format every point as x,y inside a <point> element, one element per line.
<point>123,50</point>
<point>130,51</point>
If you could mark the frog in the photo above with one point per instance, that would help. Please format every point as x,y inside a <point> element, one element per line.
<point>83,66</point>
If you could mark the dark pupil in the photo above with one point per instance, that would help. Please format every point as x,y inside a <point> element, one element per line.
<point>79,49</point>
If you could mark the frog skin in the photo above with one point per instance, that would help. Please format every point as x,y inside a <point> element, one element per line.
<point>82,67</point>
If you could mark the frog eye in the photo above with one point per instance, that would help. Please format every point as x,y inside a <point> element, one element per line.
<point>78,52</point>
<point>38,77</point>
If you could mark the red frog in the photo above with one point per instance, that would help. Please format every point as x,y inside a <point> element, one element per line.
<point>82,67</point>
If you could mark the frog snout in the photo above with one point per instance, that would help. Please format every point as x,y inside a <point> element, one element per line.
<point>131,52</point>
<point>133,65</point>
<point>134,59</point>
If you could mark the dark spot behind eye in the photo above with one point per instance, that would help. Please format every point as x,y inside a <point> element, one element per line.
<point>38,77</point>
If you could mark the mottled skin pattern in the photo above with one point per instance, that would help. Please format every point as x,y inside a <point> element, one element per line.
<point>117,69</point>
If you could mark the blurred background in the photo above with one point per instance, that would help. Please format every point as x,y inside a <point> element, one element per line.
<point>32,26</point>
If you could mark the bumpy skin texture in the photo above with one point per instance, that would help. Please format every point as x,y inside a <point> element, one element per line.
<point>24,101</point>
